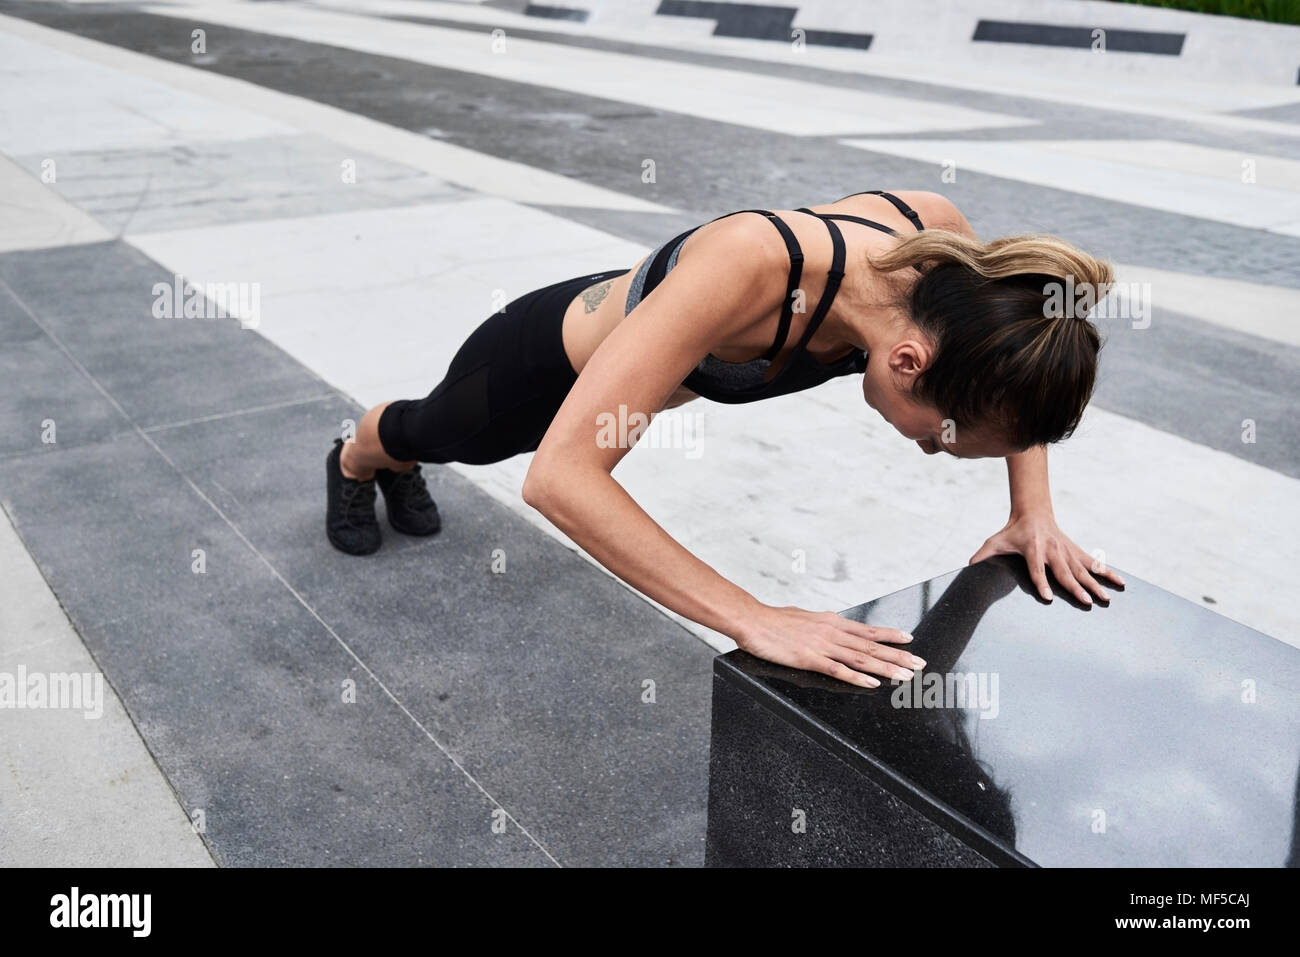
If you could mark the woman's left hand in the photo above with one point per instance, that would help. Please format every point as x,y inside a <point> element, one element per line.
<point>1037,537</point>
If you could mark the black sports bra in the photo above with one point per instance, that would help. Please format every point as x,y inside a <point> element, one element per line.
<point>736,382</point>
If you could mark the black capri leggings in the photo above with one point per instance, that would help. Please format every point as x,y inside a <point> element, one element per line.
<point>501,390</point>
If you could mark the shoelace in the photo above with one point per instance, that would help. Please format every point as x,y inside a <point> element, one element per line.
<point>358,503</point>
<point>410,485</point>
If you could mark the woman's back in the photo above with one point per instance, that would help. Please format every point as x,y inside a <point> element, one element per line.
<point>745,366</point>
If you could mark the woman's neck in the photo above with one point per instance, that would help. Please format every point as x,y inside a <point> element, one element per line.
<point>867,314</point>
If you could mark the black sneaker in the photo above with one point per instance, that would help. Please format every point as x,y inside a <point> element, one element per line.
<point>410,509</point>
<point>349,509</point>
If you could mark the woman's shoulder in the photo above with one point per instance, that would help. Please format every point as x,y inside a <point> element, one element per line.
<point>751,243</point>
<point>936,210</point>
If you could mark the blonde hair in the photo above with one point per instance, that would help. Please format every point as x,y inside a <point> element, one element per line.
<point>1033,254</point>
<point>1006,353</point>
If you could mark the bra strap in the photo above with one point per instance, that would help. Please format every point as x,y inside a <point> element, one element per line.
<point>659,265</point>
<point>659,268</point>
<point>791,285</point>
<point>899,205</point>
<point>833,278</point>
<point>845,217</point>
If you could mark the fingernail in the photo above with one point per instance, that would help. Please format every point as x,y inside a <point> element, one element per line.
<point>872,682</point>
<point>917,662</point>
<point>903,674</point>
<point>907,636</point>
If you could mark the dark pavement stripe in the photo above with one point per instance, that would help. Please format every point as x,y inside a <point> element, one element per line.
<point>1060,35</point>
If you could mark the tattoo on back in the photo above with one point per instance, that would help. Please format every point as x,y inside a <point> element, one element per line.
<point>593,297</point>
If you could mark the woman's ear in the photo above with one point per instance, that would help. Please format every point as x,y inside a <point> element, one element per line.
<point>909,358</point>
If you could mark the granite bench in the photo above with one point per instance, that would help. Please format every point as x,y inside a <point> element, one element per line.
<point>1149,732</point>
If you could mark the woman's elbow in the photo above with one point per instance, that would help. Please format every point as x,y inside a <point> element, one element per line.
<point>555,484</point>
<point>538,488</point>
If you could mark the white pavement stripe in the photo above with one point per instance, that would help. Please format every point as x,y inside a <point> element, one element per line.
<point>817,471</point>
<point>1171,190</point>
<point>1269,312</point>
<point>56,102</point>
<point>34,216</point>
<point>730,96</point>
<point>1237,167</point>
<point>257,111</point>
<point>77,791</point>
<point>323,279</point>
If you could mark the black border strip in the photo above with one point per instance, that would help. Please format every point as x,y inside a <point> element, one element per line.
<point>753,21</point>
<point>549,12</point>
<point>1059,35</point>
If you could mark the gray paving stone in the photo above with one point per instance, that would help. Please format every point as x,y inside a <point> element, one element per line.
<point>211,183</point>
<point>80,788</point>
<point>533,677</point>
<point>51,391</point>
<point>1286,113</point>
<point>1200,381</point>
<point>98,300</point>
<point>235,687</point>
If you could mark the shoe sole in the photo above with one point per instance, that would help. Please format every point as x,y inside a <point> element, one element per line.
<point>407,531</point>
<point>348,551</point>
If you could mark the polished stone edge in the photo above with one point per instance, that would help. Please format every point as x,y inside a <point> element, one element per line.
<point>727,668</point>
<point>762,768</point>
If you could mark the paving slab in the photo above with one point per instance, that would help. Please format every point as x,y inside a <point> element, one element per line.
<point>577,704</point>
<point>80,788</point>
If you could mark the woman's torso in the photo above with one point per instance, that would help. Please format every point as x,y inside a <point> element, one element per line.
<point>597,311</point>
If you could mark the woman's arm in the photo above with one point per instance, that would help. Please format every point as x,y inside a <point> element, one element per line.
<point>1032,532</point>
<point>733,275</point>
<point>1027,478</point>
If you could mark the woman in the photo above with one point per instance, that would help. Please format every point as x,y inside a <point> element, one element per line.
<point>954,338</point>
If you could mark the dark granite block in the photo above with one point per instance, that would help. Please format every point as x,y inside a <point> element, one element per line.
<point>778,796</point>
<point>1149,732</point>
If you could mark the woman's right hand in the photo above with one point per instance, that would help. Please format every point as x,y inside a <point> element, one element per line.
<point>828,643</point>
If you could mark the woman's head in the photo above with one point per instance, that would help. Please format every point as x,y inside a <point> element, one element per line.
<point>995,358</point>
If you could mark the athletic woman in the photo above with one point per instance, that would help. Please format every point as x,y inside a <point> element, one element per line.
<point>954,339</point>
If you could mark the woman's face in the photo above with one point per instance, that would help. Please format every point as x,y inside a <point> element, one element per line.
<point>886,386</point>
